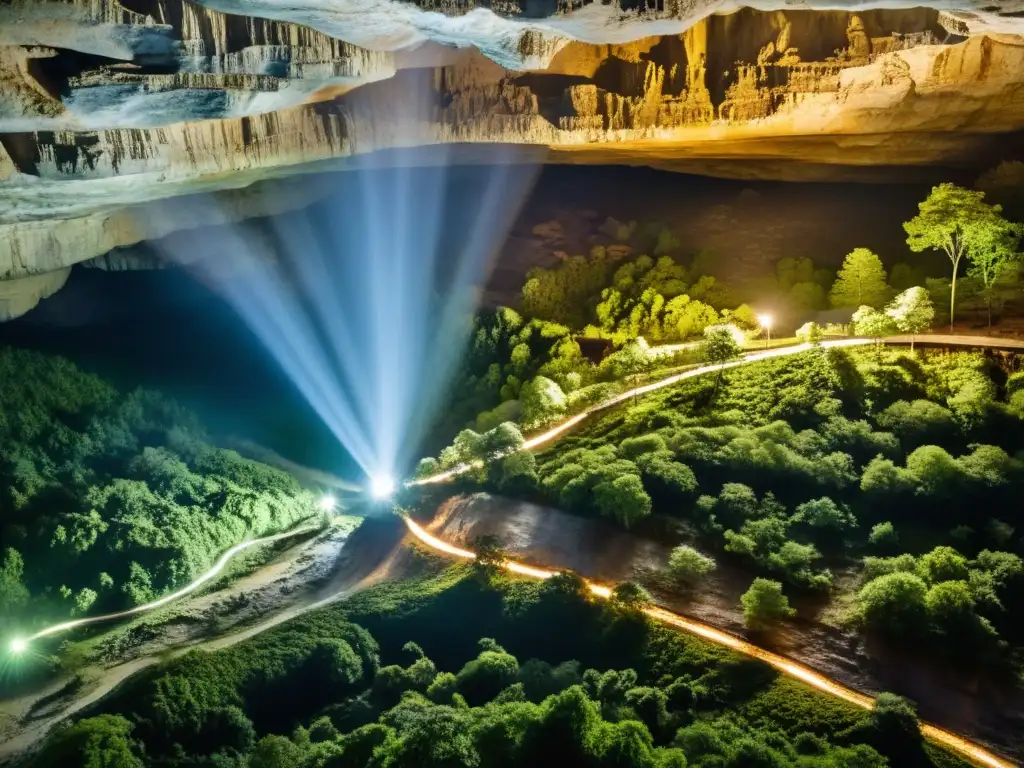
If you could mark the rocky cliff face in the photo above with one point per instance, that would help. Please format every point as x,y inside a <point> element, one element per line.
<point>107,108</point>
<point>145,64</point>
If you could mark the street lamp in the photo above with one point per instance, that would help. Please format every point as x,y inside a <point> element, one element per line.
<point>19,645</point>
<point>765,321</point>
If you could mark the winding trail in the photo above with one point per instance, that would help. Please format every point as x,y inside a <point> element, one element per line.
<point>336,590</point>
<point>965,747</point>
<point>363,565</point>
<point>975,342</point>
<point>187,589</point>
<point>556,431</point>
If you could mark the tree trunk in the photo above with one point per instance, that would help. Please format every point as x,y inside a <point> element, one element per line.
<point>952,298</point>
<point>988,302</point>
<point>911,343</point>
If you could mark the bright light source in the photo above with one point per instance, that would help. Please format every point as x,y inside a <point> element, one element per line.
<point>765,320</point>
<point>19,645</point>
<point>327,503</point>
<point>382,486</point>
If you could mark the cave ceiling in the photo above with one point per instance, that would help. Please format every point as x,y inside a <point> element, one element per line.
<point>107,108</point>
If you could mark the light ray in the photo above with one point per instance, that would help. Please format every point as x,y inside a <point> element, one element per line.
<point>366,299</point>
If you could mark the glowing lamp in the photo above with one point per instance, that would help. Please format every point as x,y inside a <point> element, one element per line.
<point>765,320</point>
<point>327,503</point>
<point>382,486</point>
<point>19,645</point>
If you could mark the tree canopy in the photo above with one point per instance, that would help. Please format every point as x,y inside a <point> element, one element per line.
<point>860,281</point>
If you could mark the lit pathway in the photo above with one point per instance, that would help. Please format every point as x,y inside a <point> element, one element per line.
<point>959,340</point>
<point>965,747</point>
<point>21,644</point>
<point>565,426</point>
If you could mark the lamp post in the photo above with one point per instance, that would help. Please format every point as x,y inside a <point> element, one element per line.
<point>765,321</point>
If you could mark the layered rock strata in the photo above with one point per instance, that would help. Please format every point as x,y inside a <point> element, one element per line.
<point>793,95</point>
<point>145,64</point>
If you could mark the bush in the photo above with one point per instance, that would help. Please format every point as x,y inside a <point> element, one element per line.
<point>764,604</point>
<point>894,603</point>
<point>632,447</point>
<point>688,566</point>
<point>884,536</point>
<point>481,679</point>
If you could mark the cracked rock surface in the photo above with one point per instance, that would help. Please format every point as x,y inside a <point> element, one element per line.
<point>108,108</point>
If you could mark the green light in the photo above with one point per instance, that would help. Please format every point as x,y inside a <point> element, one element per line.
<point>19,645</point>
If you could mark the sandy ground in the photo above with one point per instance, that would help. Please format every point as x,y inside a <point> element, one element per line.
<point>602,552</point>
<point>303,577</point>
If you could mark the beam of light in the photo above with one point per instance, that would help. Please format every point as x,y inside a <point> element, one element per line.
<point>965,747</point>
<point>189,588</point>
<point>18,645</point>
<point>546,437</point>
<point>382,486</point>
<point>327,503</point>
<point>366,299</point>
<point>765,321</point>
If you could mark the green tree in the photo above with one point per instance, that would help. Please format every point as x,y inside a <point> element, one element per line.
<point>883,535</point>
<point>623,499</point>
<point>720,345</point>
<point>898,733</point>
<point>912,312</point>
<point>950,219</point>
<point>503,440</point>
<point>994,257</point>
<point>873,324</point>
<point>942,564</point>
<point>275,752</point>
<point>481,679</point>
<point>84,600</point>
<point>543,401</point>
<point>95,742</point>
<point>629,594</point>
<point>860,281</point>
<point>764,604</point>
<point>631,361</point>
<point>825,515</point>
<point>688,566</point>
<point>894,603</point>
<point>13,593</point>
<point>809,333</point>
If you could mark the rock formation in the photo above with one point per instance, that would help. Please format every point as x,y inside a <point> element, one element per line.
<point>107,108</point>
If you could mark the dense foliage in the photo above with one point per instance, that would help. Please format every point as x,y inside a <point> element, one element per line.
<point>388,679</point>
<point>796,463</point>
<point>109,500</point>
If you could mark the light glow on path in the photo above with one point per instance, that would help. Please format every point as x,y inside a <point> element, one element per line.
<point>546,437</point>
<point>189,588</point>
<point>965,747</point>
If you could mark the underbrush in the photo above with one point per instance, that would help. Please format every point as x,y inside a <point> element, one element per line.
<point>465,667</point>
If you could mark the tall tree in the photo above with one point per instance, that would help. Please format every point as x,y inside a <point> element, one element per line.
<point>860,281</point>
<point>721,344</point>
<point>912,312</point>
<point>950,220</point>
<point>993,256</point>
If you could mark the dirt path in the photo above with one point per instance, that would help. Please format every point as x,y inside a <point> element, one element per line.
<point>305,577</point>
<point>604,553</point>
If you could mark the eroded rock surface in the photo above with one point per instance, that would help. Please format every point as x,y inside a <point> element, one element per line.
<point>107,108</point>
